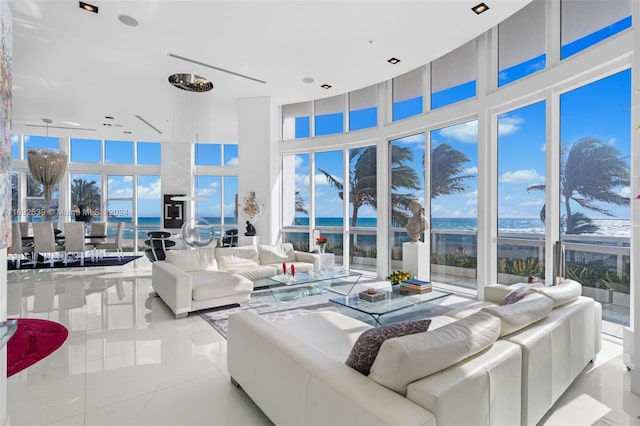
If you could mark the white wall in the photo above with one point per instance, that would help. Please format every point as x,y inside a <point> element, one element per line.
<point>259,164</point>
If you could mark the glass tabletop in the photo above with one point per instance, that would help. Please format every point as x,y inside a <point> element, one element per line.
<point>393,301</point>
<point>335,280</point>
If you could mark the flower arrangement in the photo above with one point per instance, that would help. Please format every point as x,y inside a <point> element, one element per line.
<point>321,242</point>
<point>397,277</point>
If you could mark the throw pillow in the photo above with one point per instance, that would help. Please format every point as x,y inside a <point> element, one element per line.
<point>366,348</point>
<point>520,290</point>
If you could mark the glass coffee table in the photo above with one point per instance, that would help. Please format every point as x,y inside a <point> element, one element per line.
<point>393,303</point>
<point>335,280</point>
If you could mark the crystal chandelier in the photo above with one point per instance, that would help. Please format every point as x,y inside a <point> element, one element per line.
<point>47,166</point>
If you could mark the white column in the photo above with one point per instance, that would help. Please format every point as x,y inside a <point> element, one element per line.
<point>635,206</point>
<point>259,164</point>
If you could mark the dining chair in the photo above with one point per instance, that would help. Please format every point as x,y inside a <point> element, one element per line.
<point>97,235</point>
<point>116,244</point>
<point>74,240</point>
<point>17,248</point>
<point>24,228</point>
<point>44,242</point>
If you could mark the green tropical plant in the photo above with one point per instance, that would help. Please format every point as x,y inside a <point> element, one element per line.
<point>363,181</point>
<point>86,193</point>
<point>446,171</point>
<point>590,173</point>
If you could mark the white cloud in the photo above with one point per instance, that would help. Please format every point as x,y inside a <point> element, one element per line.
<point>625,192</point>
<point>151,191</point>
<point>302,179</point>
<point>472,194</point>
<point>464,132</point>
<point>208,190</point>
<point>470,171</point>
<point>543,148</point>
<point>521,176</point>
<point>509,124</point>
<point>233,161</point>
<point>472,202</point>
<point>299,161</point>
<point>127,178</point>
<point>418,138</point>
<point>321,179</point>
<point>612,141</point>
<point>123,192</point>
<point>534,202</point>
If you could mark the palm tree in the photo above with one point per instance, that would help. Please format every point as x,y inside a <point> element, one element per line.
<point>446,169</point>
<point>300,208</point>
<point>590,173</point>
<point>363,181</point>
<point>85,193</point>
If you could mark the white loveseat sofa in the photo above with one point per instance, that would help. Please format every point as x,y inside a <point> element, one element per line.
<point>484,365</point>
<point>190,280</point>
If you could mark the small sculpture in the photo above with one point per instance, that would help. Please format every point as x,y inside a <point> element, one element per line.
<point>251,230</point>
<point>417,223</point>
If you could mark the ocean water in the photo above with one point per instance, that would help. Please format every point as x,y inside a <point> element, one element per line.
<point>606,227</point>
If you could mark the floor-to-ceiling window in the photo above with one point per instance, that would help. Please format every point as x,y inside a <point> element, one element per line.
<point>296,202</point>
<point>521,202</point>
<point>329,178</point>
<point>363,204</point>
<point>454,204</point>
<point>407,171</point>
<point>595,135</point>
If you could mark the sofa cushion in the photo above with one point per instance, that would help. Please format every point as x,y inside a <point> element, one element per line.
<point>403,360</point>
<point>333,333</point>
<point>566,292</point>
<point>366,348</point>
<point>276,253</point>
<point>203,259</point>
<point>532,308</point>
<point>212,284</point>
<point>252,271</point>
<point>234,256</point>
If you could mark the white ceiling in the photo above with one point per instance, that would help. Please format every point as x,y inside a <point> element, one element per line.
<point>73,66</point>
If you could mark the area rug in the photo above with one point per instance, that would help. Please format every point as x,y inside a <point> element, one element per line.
<point>262,303</point>
<point>33,340</point>
<point>88,263</point>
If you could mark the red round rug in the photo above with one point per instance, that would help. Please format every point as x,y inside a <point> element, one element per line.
<point>33,340</point>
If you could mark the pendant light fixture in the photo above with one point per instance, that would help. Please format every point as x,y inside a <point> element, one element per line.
<point>46,165</point>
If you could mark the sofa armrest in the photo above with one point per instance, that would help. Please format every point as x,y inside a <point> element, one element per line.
<point>313,388</point>
<point>302,256</point>
<point>173,285</point>
<point>494,293</point>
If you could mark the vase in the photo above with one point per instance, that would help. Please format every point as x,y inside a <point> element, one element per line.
<point>321,248</point>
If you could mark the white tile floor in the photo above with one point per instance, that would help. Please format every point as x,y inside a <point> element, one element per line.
<point>127,361</point>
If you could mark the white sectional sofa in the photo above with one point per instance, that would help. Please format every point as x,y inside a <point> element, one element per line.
<point>190,280</point>
<point>483,365</point>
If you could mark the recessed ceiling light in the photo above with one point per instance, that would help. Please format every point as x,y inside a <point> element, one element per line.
<point>127,132</point>
<point>108,117</point>
<point>326,86</point>
<point>129,21</point>
<point>308,80</point>
<point>478,9</point>
<point>393,61</point>
<point>106,124</point>
<point>88,7</point>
